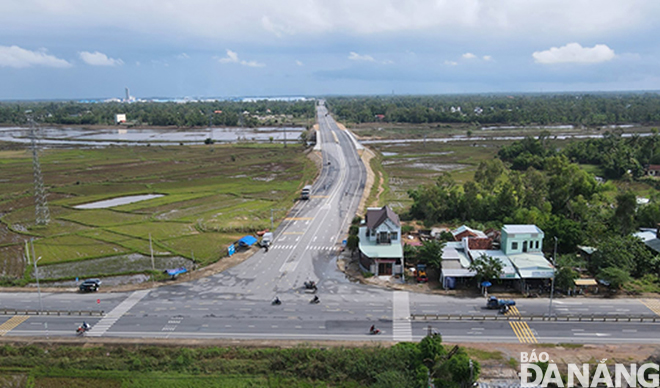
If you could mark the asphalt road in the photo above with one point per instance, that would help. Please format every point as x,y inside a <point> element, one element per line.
<point>236,303</point>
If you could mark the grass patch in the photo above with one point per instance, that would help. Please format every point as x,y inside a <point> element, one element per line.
<point>484,355</point>
<point>206,248</point>
<point>73,248</point>
<point>102,217</point>
<point>158,230</point>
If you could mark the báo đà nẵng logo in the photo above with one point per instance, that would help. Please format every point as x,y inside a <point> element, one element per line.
<point>538,370</point>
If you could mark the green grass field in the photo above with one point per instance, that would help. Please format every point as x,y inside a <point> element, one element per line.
<point>211,196</point>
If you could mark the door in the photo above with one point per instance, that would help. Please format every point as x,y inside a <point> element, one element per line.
<point>524,246</point>
<point>384,269</point>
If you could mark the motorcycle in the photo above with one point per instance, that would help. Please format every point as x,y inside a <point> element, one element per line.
<point>374,331</point>
<point>504,309</point>
<point>82,329</point>
<point>310,286</point>
<point>315,300</point>
<point>276,302</point>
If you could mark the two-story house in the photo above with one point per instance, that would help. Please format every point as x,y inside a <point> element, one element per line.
<point>381,252</point>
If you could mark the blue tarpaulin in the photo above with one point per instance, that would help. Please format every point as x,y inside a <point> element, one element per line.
<point>247,241</point>
<point>175,272</point>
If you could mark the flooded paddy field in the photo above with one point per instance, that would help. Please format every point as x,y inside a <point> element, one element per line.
<point>195,201</point>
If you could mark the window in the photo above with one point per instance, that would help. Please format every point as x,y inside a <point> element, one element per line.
<point>395,235</point>
<point>537,244</point>
<point>382,238</point>
<point>514,245</point>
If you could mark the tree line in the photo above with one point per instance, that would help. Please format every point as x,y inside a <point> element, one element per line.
<point>189,114</point>
<point>523,109</point>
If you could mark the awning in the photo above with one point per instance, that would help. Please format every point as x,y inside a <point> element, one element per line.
<point>247,241</point>
<point>586,282</point>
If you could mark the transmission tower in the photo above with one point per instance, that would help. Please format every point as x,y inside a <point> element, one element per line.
<point>41,206</point>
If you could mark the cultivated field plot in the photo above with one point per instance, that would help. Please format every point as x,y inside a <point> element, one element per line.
<point>212,195</point>
<point>408,165</point>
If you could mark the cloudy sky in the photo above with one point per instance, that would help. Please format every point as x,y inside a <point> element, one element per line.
<point>61,49</point>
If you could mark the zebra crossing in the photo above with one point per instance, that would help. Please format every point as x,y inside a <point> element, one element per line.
<point>113,316</point>
<point>310,248</point>
<point>401,325</point>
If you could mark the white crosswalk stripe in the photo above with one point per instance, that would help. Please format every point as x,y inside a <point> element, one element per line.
<point>401,325</point>
<point>113,316</point>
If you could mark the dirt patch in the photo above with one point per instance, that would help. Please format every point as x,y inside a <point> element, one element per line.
<point>366,155</point>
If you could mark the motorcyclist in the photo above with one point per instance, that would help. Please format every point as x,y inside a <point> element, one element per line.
<point>316,299</point>
<point>277,300</point>
<point>85,326</point>
<point>372,328</point>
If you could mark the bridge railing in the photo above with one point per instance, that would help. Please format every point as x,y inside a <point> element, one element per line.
<point>52,312</point>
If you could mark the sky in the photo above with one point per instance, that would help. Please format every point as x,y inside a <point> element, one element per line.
<point>78,49</point>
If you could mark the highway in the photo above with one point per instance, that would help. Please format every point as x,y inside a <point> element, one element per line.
<point>236,304</point>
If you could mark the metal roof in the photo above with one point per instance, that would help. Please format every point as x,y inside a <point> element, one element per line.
<point>378,251</point>
<point>521,229</point>
<point>375,217</point>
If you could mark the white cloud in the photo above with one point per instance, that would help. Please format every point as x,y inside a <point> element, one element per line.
<point>574,53</point>
<point>388,62</point>
<point>234,20</point>
<point>353,56</point>
<point>183,56</point>
<point>99,59</point>
<point>299,63</point>
<point>14,56</point>
<point>487,58</point>
<point>451,63</point>
<point>232,57</point>
<point>468,56</point>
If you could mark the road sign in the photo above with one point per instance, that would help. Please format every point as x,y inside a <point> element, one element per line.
<point>231,249</point>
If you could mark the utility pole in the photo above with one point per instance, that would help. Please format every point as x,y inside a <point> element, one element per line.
<point>554,272</point>
<point>42,214</point>
<point>36,274</point>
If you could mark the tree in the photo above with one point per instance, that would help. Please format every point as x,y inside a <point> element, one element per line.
<point>565,278</point>
<point>624,215</point>
<point>487,268</point>
<point>430,253</point>
<point>352,243</point>
<point>615,276</point>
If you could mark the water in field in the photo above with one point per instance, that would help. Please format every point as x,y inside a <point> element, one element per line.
<point>117,201</point>
<point>131,136</point>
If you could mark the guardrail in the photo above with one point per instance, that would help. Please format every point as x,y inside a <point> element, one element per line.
<point>52,312</point>
<point>564,318</point>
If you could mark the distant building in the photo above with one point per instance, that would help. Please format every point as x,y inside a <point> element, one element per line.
<point>120,118</point>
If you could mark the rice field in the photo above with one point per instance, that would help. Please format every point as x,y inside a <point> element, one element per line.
<point>212,195</point>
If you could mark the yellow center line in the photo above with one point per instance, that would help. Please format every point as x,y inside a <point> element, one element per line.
<point>319,196</point>
<point>523,332</point>
<point>11,323</point>
<point>298,219</point>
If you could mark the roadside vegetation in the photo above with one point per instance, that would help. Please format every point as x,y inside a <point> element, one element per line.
<point>399,366</point>
<point>212,195</point>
